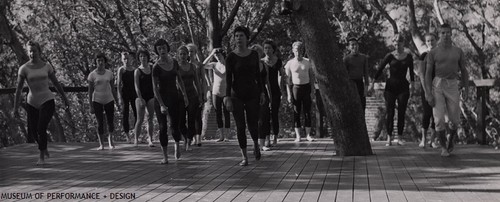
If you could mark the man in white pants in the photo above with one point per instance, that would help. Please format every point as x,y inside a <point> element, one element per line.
<point>442,92</point>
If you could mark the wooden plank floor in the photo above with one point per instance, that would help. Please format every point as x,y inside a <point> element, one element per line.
<point>291,172</point>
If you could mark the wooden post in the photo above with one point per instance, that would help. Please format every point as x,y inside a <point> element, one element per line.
<point>483,95</point>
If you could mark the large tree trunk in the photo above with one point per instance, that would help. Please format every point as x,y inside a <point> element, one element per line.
<point>343,106</point>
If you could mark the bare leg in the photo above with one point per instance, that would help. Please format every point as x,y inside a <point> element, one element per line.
<point>110,140</point>
<point>221,134</point>
<point>244,162</point>
<point>297,134</point>
<point>165,155</point>
<point>177,151</point>
<point>308,132</point>
<point>101,142</point>
<point>424,138</point>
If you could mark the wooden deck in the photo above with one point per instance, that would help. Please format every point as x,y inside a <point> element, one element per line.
<point>291,172</point>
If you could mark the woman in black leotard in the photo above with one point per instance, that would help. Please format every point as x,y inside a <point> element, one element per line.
<point>126,90</point>
<point>244,91</point>
<point>165,84</point>
<point>145,96</point>
<point>397,86</point>
<point>188,73</point>
<point>275,70</point>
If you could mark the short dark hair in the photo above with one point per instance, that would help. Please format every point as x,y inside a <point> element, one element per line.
<point>445,25</point>
<point>272,44</point>
<point>243,29</point>
<point>101,55</point>
<point>143,51</point>
<point>352,39</point>
<point>34,44</point>
<point>161,42</point>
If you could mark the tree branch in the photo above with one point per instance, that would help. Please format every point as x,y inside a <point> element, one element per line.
<point>437,11</point>
<point>230,18</point>
<point>125,22</point>
<point>379,7</point>
<point>265,18</point>
<point>415,34</point>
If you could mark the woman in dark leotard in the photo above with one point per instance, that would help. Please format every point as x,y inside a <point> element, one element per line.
<point>165,84</point>
<point>145,96</point>
<point>275,71</point>
<point>397,87</point>
<point>244,91</point>
<point>40,100</point>
<point>126,90</point>
<point>192,85</point>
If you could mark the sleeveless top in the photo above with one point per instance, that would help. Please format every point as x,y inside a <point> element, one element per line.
<point>128,89</point>
<point>219,85</point>
<point>274,71</point>
<point>167,82</point>
<point>38,84</point>
<point>188,77</point>
<point>242,79</point>
<point>146,85</point>
<point>102,86</point>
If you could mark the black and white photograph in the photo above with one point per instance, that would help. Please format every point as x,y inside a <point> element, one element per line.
<point>250,100</point>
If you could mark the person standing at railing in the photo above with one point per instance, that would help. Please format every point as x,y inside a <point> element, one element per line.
<point>40,101</point>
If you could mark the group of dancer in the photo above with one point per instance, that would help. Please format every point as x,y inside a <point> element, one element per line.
<point>439,75</point>
<point>246,83</point>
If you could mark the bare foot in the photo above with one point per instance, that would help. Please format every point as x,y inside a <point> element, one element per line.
<point>164,161</point>
<point>111,146</point>
<point>46,153</point>
<point>40,162</point>
<point>100,148</point>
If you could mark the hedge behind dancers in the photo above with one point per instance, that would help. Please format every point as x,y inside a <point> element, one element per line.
<point>219,91</point>
<point>244,91</point>
<point>101,99</point>
<point>166,80</point>
<point>145,96</point>
<point>40,101</point>
<point>300,89</point>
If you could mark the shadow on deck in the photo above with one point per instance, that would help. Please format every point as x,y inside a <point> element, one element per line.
<point>291,171</point>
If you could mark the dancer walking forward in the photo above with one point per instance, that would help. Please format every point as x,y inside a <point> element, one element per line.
<point>40,101</point>
<point>427,120</point>
<point>188,73</point>
<point>275,71</point>
<point>145,97</point>
<point>219,91</point>
<point>126,91</point>
<point>102,96</point>
<point>244,91</point>
<point>300,89</point>
<point>397,88</point>
<point>205,90</point>
<point>357,66</point>
<point>442,90</point>
<point>165,84</point>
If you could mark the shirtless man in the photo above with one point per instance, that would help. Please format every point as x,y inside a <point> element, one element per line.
<point>442,91</point>
<point>300,89</point>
